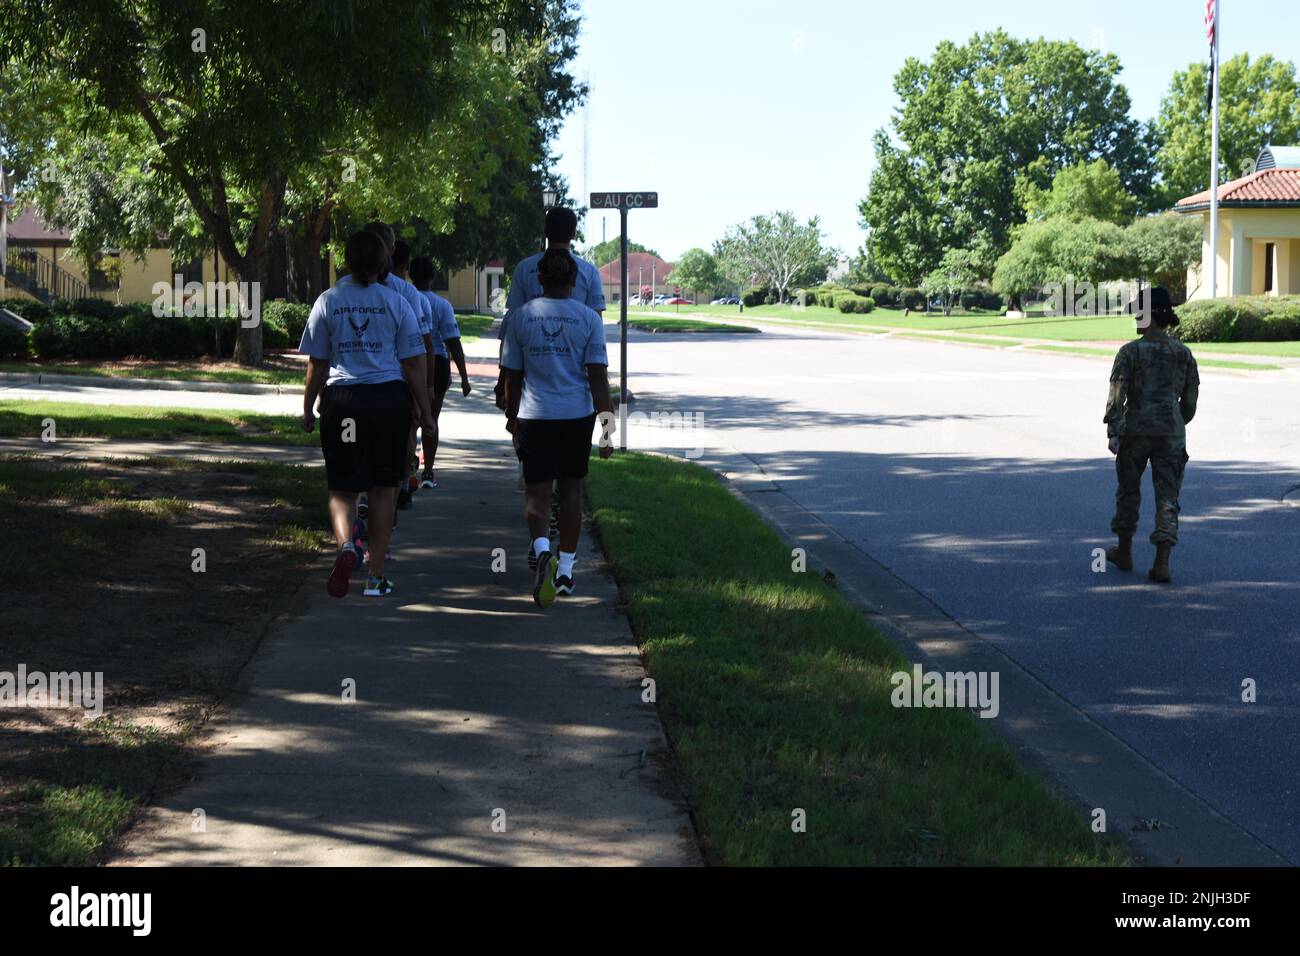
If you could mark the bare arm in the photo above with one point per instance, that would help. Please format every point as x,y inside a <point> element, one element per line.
<point>513,379</point>
<point>457,352</point>
<point>415,371</point>
<point>317,371</point>
<point>598,380</point>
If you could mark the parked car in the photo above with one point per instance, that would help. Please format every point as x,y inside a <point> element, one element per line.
<point>726,300</point>
<point>634,299</point>
<point>678,301</point>
<point>660,299</point>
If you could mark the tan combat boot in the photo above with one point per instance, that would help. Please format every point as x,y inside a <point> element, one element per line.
<point>1122,554</point>
<point>1160,570</point>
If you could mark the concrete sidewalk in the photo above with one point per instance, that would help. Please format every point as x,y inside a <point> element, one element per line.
<point>471,706</point>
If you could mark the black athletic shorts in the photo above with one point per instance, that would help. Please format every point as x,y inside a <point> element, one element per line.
<point>381,419</point>
<point>441,375</point>
<point>552,448</point>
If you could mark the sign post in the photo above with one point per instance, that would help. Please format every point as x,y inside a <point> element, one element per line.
<point>623,202</point>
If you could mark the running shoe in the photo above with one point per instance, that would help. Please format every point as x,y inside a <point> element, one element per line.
<point>363,505</point>
<point>564,584</point>
<point>430,479</point>
<point>344,562</point>
<point>378,587</point>
<point>403,500</point>
<point>532,558</point>
<point>544,582</point>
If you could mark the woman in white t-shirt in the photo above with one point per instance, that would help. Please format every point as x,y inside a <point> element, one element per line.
<point>556,381</point>
<point>366,362</point>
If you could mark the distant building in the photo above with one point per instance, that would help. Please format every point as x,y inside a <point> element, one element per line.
<point>1258,247</point>
<point>39,264</point>
<point>643,268</point>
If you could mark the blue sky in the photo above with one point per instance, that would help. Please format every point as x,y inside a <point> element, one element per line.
<point>733,107</point>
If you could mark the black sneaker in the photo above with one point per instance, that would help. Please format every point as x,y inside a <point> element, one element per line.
<point>564,584</point>
<point>403,500</point>
<point>532,558</point>
<point>544,581</point>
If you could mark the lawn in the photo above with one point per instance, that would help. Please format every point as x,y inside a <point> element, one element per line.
<point>113,589</point>
<point>1202,362</point>
<point>668,324</point>
<point>277,371</point>
<point>25,417</point>
<point>775,693</point>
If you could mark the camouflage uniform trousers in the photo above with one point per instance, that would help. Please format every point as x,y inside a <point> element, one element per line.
<point>1168,457</point>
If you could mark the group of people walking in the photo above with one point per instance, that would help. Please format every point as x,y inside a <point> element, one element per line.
<point>380,344</point>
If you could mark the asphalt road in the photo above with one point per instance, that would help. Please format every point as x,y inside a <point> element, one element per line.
<point>983,480</point>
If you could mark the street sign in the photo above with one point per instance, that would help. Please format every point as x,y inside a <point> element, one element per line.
<point>623,202</point>
<point>641,200</point>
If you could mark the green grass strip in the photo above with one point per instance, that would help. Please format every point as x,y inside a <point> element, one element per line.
<point>25,417</point>
<point>776,694</point>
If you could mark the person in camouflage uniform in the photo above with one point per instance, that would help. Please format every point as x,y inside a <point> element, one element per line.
<point>1153,391</point>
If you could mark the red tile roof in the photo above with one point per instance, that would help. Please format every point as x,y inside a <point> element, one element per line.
<point>1266,186</point>
<point>637,260</point>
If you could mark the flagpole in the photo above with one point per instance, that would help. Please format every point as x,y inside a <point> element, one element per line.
<point>1214,163</point>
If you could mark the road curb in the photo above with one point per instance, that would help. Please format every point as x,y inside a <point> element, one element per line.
<point>159,384</point>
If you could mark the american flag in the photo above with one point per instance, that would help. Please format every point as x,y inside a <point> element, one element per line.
<point>1210,23</point>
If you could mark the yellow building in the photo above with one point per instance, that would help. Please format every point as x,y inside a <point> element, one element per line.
<point>39,264</point>
<point>1258,247</point>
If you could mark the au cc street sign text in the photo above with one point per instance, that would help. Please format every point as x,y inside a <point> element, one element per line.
<point>642,200</point>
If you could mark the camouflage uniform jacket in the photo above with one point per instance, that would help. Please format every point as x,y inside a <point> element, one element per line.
<point>1153,388</point>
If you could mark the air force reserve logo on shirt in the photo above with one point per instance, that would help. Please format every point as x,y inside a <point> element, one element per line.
<point>359,317</point>
<point>550,343</point>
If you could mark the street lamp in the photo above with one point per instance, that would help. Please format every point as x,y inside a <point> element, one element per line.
<point>548,198</point>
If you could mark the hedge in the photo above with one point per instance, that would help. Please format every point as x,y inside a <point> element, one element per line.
<point>854,303</point>
<point>79,330</point>
<point>1240,319</point>
<point>911,298</point>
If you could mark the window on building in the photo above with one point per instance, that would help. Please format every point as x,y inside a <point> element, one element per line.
<point>1269,249</point>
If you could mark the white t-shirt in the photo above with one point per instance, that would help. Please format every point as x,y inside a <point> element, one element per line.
<point>423,311</point>
<point>525,286</point>
<point>553,341</point>
<point>445,325</point>
<point>364,332</point>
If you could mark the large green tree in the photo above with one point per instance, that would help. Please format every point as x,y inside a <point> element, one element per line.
<point>238,99</point>
<point>696,270</point>
<point>777,249</point>
<point>1082,191</point>
<point>1259,104</point>
<point>975,120</point>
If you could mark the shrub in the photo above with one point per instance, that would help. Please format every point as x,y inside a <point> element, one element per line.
<point>31,310</point>
<point>91,308</point>
<point>76,336</point>
<point>13,344</point>
<point>851,303</point>
<point>291,317</point>
<point>1240,319</point>
<point>883,294</point>
<point>911,298</point>
<point>753,297</point>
